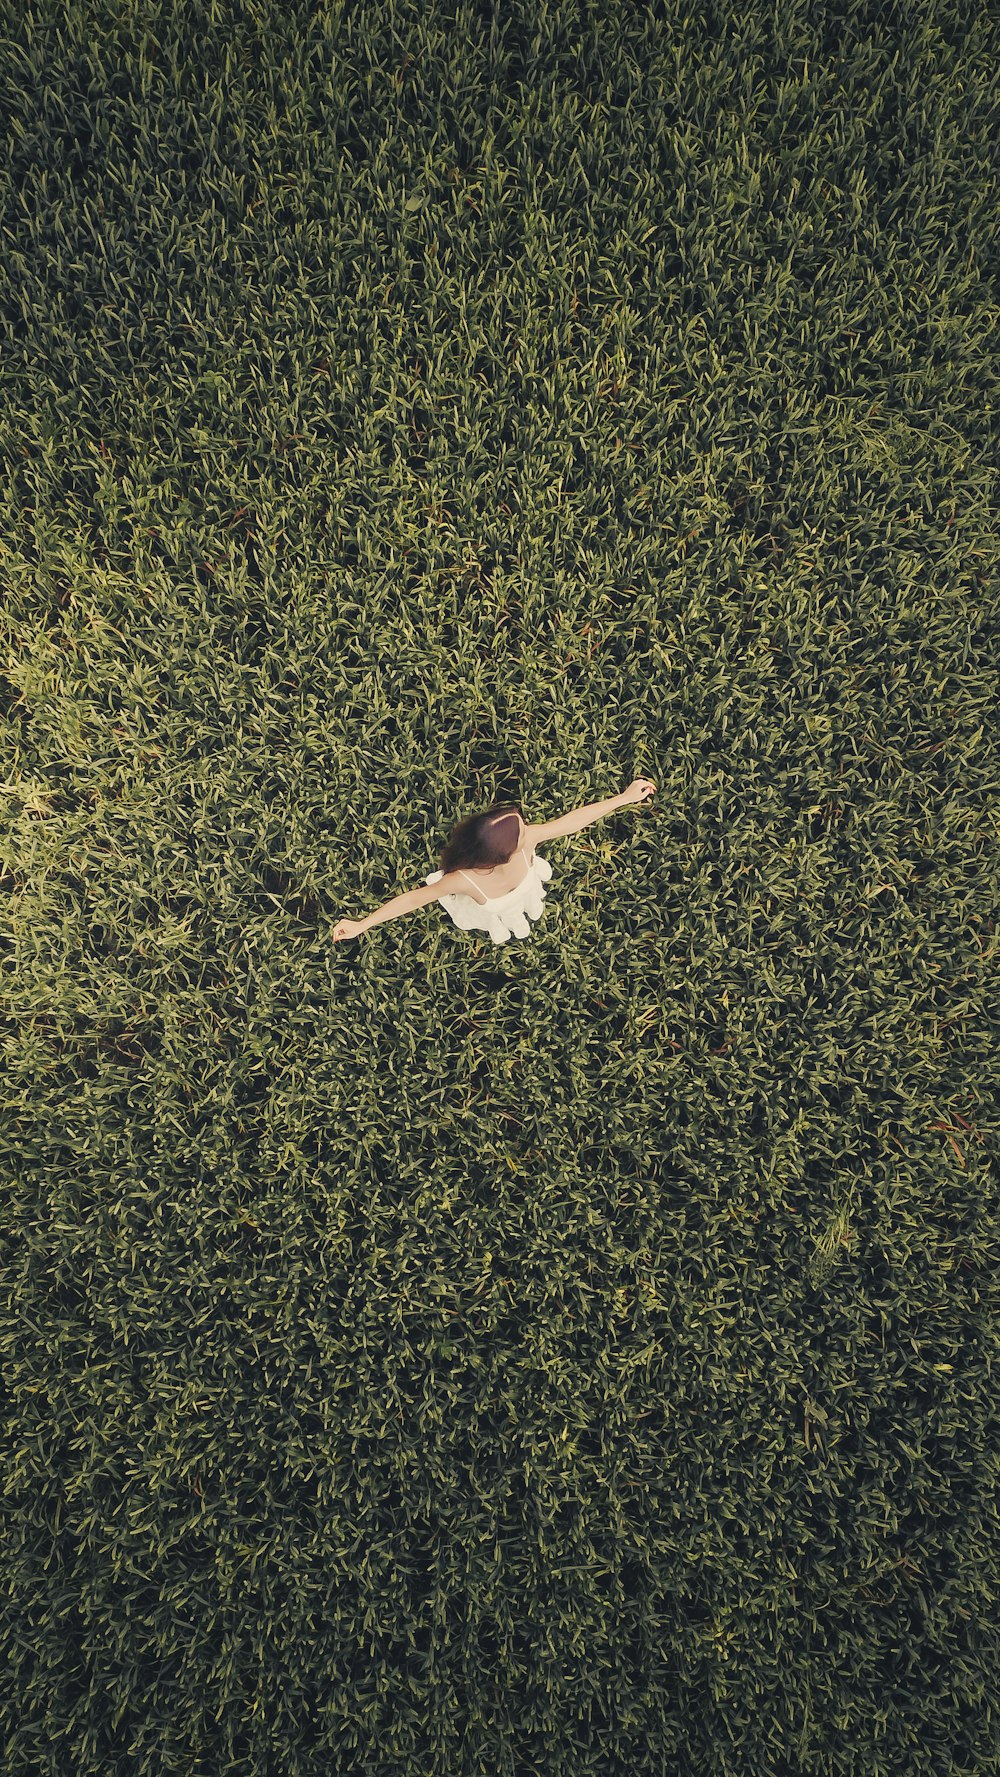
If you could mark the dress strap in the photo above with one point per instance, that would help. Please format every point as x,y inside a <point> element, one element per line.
<point>468,878</point>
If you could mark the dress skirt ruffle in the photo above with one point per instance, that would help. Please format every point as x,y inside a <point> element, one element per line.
<point>510,916</point>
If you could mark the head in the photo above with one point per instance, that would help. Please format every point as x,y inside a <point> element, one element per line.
<point>483,840</point>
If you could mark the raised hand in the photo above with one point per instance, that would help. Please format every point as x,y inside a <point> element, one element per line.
<point>639,790</point>
<point>346,928</point>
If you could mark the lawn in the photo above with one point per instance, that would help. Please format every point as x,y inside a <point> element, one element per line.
<point>576,1357</point>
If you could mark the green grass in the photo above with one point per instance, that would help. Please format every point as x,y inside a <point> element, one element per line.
<point>577,1357</point>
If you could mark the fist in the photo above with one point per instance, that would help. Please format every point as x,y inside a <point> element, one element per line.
<point>347,928</point>
<point>639,790</point>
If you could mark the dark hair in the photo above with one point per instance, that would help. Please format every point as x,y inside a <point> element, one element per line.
<point>482,840</point>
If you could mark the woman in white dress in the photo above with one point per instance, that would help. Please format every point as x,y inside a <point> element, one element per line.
<point>492,879</point>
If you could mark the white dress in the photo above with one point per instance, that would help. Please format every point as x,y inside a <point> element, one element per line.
<point>508,916</point>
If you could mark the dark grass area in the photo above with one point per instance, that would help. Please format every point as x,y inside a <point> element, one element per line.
<point>577,1357</point>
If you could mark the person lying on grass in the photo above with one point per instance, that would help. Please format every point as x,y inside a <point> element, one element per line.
<point>454,882</point>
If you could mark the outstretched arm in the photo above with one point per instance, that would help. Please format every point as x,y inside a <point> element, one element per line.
<point>410,901</point>
<point>578,818</point>
<point>639,790</point>
<point>390,910</point>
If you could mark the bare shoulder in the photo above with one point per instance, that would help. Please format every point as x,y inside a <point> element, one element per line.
<point>538,834</point>
<point>453,883</point>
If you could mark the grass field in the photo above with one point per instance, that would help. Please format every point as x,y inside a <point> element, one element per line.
<point>580,1356</point>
